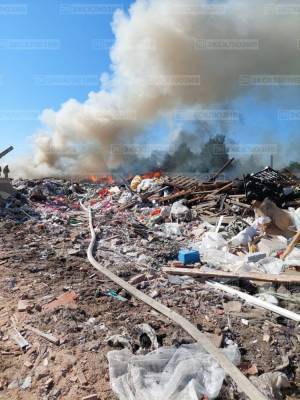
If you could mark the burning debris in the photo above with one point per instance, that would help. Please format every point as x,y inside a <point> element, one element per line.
<point>176,240</point>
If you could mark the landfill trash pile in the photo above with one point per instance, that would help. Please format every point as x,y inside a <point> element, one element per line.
<point>219,255</point>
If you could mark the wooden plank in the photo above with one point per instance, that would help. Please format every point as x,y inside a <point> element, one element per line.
<point>207,204</point>
<point>236,196</point>
<point>47,336</point>
<point>253,276</point>
<point>222,169</point>
<point>215,192</point>
<point>243,384</point>
<point>186,180</point>
<point>178,180</point>
<point>196,199</point>
<point>174,196</point>
<point>238,203</point>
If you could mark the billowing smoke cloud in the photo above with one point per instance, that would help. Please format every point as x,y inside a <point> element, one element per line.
<point>163,58</point>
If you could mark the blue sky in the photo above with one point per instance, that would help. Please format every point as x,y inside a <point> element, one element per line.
<point>21,70</point>
<point>73,38</point>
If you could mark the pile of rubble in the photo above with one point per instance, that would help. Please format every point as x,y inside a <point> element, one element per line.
<point>223,254</point>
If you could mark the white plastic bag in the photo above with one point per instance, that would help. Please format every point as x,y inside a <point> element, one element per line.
<point>245,236</point>
<point>271,265</point>
<point>296,217</point>
<point>169,373</point>
<point>212,240</point>
<point>179,210</point>
<point>222,259</point>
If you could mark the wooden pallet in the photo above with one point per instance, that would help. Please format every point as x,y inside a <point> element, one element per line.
<point>190,183</point>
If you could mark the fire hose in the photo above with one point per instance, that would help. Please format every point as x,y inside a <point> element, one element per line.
<point>243,384</point>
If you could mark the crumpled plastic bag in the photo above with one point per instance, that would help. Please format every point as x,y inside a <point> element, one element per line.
<point>180,211</point>
<point>147,184</point>
<point>224,260</point>
<point>245,236</point>
<point>212,240</point>
<point>271,265</point>
<point>269,298</point>
<point>169,373</point>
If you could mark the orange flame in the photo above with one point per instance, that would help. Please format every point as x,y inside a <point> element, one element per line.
<point>102,179</point>
<point>93,178</point>
<point>151,175</point>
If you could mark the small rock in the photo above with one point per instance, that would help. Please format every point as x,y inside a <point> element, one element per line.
<point>24,305</point>
<point>27,383</point>
<point>28,364</point>
<point>41,372</point>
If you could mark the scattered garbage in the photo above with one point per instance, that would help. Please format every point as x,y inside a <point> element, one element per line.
<point>271,384</point>
<point>115,295</point>
<point>183,373</point>
<point>174,238</point>
<point>172,229</point>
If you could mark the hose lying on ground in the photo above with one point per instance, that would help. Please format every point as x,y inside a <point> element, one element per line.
<point>243,384</point>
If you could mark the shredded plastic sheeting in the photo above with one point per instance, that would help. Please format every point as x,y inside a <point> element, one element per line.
<point>169,373</point>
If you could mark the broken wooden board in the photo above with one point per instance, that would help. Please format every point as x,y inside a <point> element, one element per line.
<point>47,336</point>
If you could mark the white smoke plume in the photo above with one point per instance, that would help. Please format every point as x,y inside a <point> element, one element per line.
<point>158,65</point>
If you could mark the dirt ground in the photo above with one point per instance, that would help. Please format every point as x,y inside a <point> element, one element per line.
<point>37,266</point>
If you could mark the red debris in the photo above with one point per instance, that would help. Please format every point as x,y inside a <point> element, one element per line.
<point>67,298</point>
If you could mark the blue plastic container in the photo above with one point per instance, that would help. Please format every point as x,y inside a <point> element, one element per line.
<point>188,256</point>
